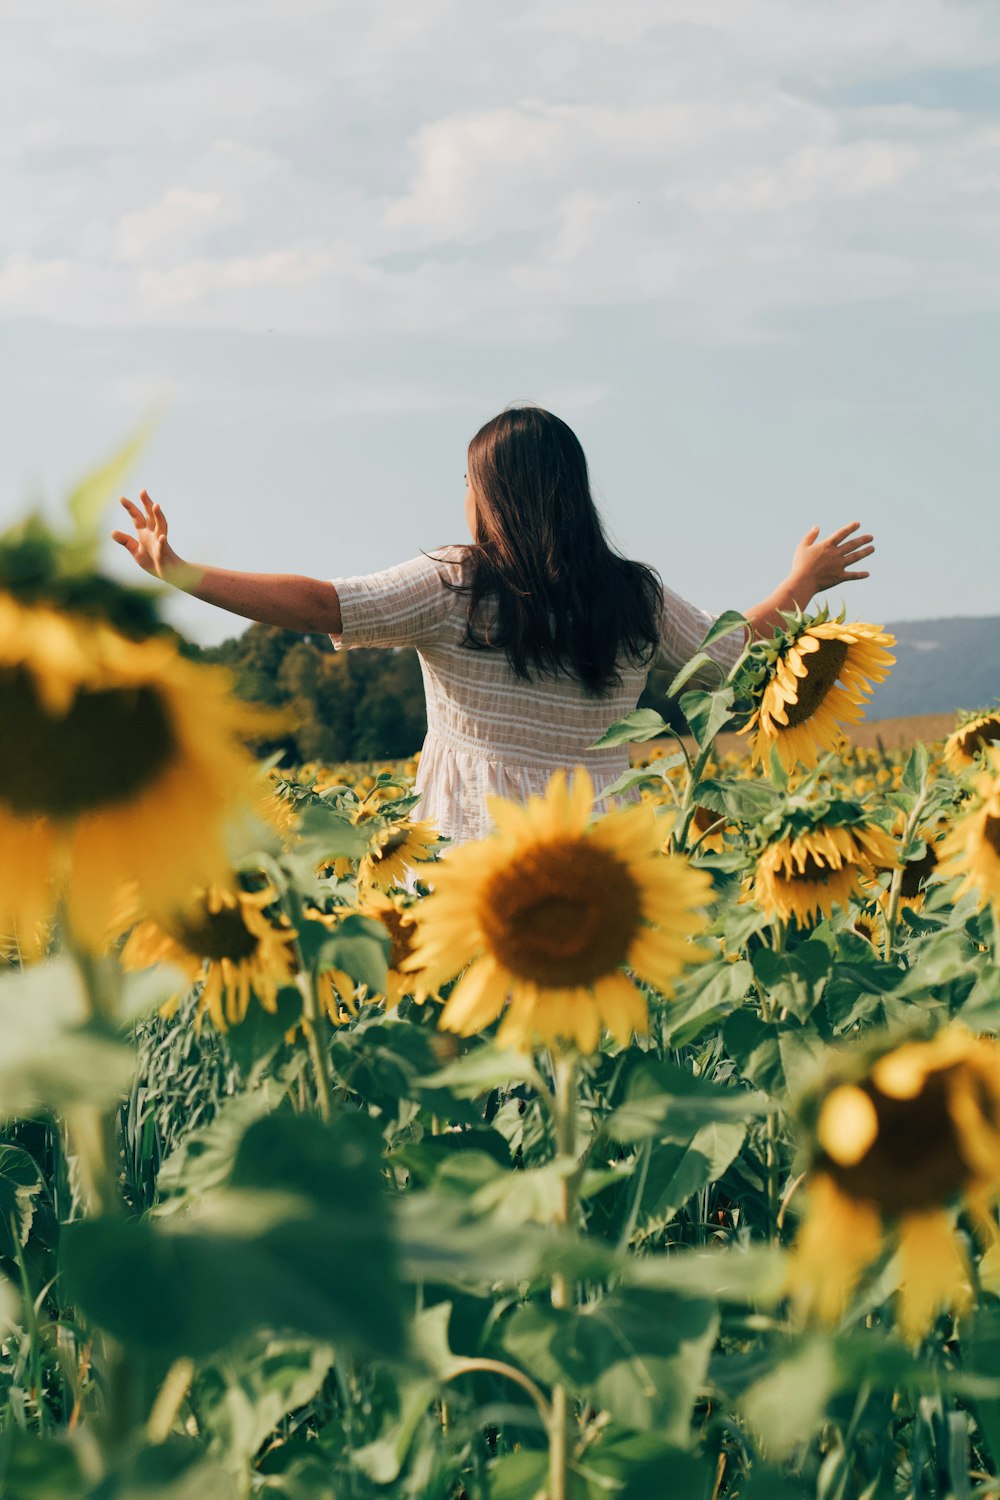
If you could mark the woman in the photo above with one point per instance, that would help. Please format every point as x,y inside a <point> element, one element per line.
<point>532,640</point>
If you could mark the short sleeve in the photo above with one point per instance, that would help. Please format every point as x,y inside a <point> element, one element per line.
<point>683,627</point>
<point>402,606</point>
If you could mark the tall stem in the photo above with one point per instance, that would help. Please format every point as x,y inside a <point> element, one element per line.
<point>92,1131</point>
<point>93,1135</point>
<point>564,1123</point>
<point>896,884</point>
<point>690,806</point>
<point>317,1055</point>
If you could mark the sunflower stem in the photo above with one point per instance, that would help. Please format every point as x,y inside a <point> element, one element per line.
<point>317,1056</point>
<point>564,1124</point>
<point>464,1366</point>
<point>896,884</point>
<point>689,805</point>
<point>93,1132</point>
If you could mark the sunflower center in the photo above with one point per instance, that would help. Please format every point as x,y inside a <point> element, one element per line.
<point>917,872</point>
<point>110,745</point>
<point>822,670</point>
<point>395,841</point>
<point>812,870</point>
<point>400,936</point>
<point>915,1161</point>
<point>705,818</point>
<point>991,832</point>
<point>981,736</point>
<point>215,934</point>
<point>566,915</point>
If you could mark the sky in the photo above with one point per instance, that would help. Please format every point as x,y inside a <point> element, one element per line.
<point>748,249</point>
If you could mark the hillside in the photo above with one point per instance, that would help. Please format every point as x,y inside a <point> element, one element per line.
<point>941,666</point>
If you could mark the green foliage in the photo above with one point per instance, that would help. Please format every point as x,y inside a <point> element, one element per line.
<point>297,1238</point>
<point>338,705</point>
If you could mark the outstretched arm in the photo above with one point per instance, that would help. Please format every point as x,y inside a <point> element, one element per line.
<point>295,603</point>
<point>816,566</point>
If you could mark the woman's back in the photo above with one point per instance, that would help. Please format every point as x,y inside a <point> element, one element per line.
<point>490,731</point>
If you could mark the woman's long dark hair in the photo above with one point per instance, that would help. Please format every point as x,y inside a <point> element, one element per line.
<point>543,583</point>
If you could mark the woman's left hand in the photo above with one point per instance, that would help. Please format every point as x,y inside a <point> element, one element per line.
<point>819,565</point>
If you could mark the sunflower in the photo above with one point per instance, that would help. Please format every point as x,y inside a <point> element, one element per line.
<point>963,746</point>
<point>804,874</point>
<point>915,872</point>
<point>707,830</point>
<point>547,912</point>
<point>972,848</point>
<point>819,677</point>
<point>398,920</point>
<point>869,925</point>
<point>224,938</point>
<point>898,1150</point>
<point>120,762</point>
<point>395,849</point>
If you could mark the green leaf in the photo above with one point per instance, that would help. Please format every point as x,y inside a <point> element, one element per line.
<point>21,1183</point>
<point>785,1406</point>
<point>383,1459</point>
<point>252,1041</point>
<point>10,1307</point>
<point>640,1466</point>
<point>753,1046</point>
<point>669,1103</point>
<point>676,1170</point>
<point>299,1240</point>
<point>794,980</point>
<point>52,1057</point>
<point>756,1274</point>
<point>482,1069</point>
<point>358,945</point>
<point>441,1242</point>
<point>641,724</point>
<point>917,766</point>
<point>203,1159</point>
<point>519,1476</point>
<point>243,1397</point>
<point>643,775</point>
<point>175,1470</point>
<point>704,998</point>
<point>707,713</point>
<point>328,834</point>
<point>726,623</point>
<point>89,499</point>
<point>37,1468</point>
<point>639,1355</point>
<point>689,670</point>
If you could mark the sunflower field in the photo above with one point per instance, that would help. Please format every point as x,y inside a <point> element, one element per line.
<point>643,1149</point>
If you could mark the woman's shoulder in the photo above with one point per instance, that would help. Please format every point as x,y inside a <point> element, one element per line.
<point>450,562</point>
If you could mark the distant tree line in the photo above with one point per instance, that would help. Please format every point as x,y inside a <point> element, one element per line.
<point>345,705</point>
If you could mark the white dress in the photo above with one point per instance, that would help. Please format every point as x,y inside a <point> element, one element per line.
<point>488,731</point>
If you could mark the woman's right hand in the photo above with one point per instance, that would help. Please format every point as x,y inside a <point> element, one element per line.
<point>149,545</point>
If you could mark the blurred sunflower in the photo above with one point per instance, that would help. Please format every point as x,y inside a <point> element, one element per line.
<point>395,850</point>
<point>972,848</point>
<point>918,871</point>
<point>963,746</point>
<point>398,920</point>
<point>225,939</point>
<point>707,829</point>
<point>544,915</point>
<point>120,762</point>
<point>898,1149</point>
<point>869,925</point>
<point>803,874</point>
<point>820,673</point>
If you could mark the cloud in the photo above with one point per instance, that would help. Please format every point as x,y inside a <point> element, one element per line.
<point>402,167</point>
